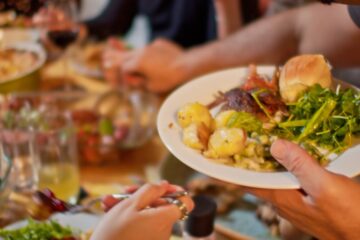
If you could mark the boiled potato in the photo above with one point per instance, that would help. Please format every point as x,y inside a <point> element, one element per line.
<point>226,142</point>
<point>196,136</point>
<point>194,113</point>
<point>222,118</point>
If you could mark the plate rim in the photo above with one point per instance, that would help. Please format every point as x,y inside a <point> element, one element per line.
<point>287,180</point>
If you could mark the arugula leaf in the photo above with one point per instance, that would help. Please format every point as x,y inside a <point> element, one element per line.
<point>244,120</point>
<point>326,118</point>
<point>38,231</point>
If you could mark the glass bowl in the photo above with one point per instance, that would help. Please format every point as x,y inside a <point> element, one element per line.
<point>105,123</point>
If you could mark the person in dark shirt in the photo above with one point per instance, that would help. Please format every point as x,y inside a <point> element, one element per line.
<point>186,22</point>
<point>354,12</point>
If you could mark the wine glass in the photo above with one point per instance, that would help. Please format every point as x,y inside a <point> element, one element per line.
<point>59,22</point>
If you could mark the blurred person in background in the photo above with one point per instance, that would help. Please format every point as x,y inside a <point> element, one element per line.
<point>186,22</point>
<point>315,28</point>
<point>277,6</point>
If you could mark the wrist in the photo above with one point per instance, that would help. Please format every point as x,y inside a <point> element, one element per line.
<point>196,62</point>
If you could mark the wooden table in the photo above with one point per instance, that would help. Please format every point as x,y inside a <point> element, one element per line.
<point>131,163</point>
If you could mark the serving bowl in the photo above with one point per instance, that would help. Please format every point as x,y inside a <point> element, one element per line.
<point>28,80</point>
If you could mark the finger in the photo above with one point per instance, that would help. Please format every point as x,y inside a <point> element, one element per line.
<point>174,188</point>
<point>297,161</point>
<point>148,194</point>
<point>109,202</point>
<point>132,189</point>
<point>116,43</point>
<point>265,194</point>
<point>132,61</point>
<point>169,212</point>
<point>280,198</point>
<point>134,79</point>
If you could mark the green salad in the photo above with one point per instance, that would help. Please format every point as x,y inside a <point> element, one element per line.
<point>324,119</point>
<point>34,230</point>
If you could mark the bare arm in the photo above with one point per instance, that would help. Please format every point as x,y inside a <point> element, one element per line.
<point>316,28</point>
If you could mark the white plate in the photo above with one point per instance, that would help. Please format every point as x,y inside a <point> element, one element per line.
<point>81,221</point>
<point>9,36</point>
<point>30,47</point>
<point>202,90</point>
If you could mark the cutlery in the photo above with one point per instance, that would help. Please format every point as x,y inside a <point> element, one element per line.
<point>73,208</point>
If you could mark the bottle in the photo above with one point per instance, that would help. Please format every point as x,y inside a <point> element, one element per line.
<point>200,223</point>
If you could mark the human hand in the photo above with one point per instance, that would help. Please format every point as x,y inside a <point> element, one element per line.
<point>156,66</point>
<point>132,219</point>
<point>327,208</point>
<point>47,16</point>
<point>112,58</point>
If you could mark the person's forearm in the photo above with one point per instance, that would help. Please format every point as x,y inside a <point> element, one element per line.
<point>269,41</point>
<point>329,30</point>
<point>314,29</point>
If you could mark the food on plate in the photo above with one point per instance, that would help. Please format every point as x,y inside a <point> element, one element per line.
<point>50,230</point>
<point>239,126</point>
<point>194,113</point>
<point>324,118</point>
<point>14,62</point>
<point>226,142</point>
<point>99,59</point>
<point>196,136</point>
<point>92,54</point>
<point>89,55</point>
<point>302,72</point>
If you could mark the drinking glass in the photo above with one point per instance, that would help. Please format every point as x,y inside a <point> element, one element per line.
<point>61,26</point>
<point>58,22</point>
<point>17,145</point>
<point>41,140</point>
<point>56,154</point>
<point>5,169</point>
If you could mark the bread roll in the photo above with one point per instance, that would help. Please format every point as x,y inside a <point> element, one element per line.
<point>302,72</point>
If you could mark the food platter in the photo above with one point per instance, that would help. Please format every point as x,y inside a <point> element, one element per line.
<point>29,78</point>
<point>202,90</point>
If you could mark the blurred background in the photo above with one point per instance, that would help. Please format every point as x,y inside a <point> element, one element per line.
<point>81,83</point>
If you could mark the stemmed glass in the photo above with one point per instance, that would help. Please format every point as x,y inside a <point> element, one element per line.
<point>59,23</point>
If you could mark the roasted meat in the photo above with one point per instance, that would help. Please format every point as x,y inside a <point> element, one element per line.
<point>257,96</point>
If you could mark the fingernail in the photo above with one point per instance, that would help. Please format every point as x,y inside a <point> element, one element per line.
<point>164,182</point>
<point>175,188</point>
<point>279,149</point>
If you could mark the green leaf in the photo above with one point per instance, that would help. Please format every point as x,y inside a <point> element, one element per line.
<point>245,121</point>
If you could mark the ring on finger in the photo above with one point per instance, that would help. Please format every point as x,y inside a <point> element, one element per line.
<point>181,206</point>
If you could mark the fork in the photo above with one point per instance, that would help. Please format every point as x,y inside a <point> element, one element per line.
<point>75,208</point>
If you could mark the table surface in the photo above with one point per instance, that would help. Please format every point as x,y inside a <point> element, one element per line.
<point>130,163</point>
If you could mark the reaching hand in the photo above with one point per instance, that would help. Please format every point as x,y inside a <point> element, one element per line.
<point>327,208</point>
<point>142,216</point>
<point>157,65</point>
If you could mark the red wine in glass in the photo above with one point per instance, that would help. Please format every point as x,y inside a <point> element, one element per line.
<point>62,38</point>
